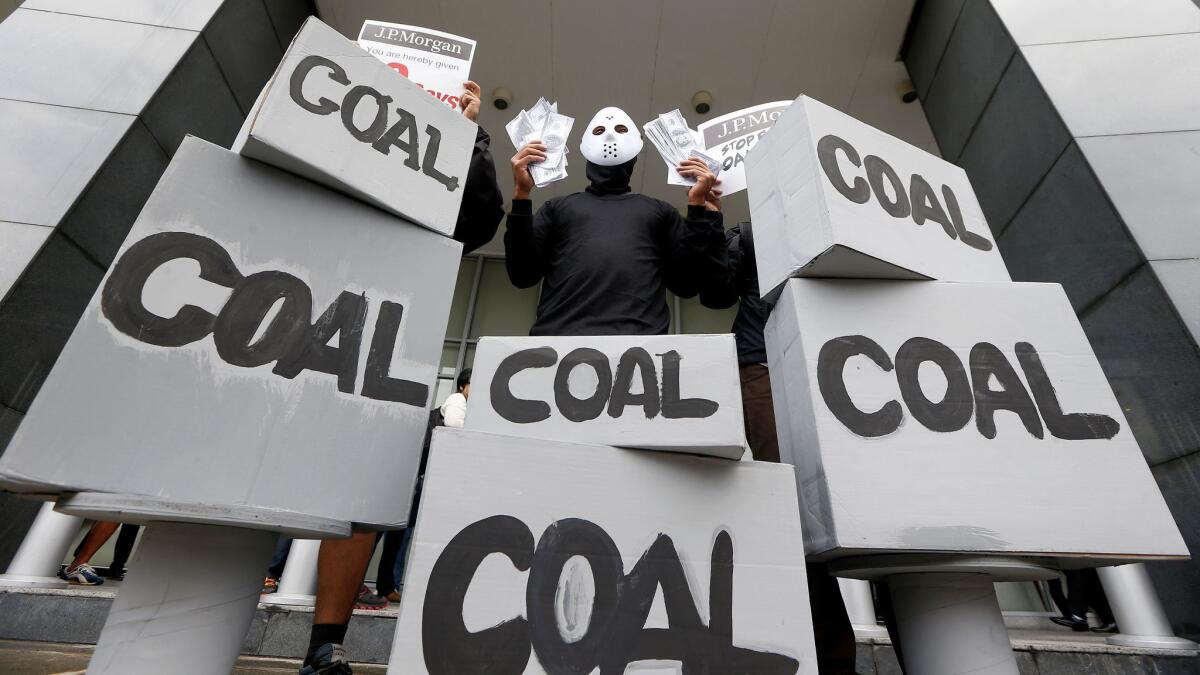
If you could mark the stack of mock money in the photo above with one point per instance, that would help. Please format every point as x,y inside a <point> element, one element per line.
<point>542,122</point>
<point>675,142</point>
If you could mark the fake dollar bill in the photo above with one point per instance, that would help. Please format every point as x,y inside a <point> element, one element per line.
<point>543,122</point>
<point>675,142</point>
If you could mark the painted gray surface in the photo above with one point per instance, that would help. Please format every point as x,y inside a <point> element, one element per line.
<point>19,243</point>
<point>1151,362</point>
<point>1068,233</point>
<point>975,58</point>
<point>1016,141</point>
<point>39,314</point>
<point>287,16</point>
<point>48,155</point>
<point>1178,584</point>
<point>1125,86</point>
<point>890,492</point>
<point>1034,23</point>
<point>282,132</point>
<point>118,66</point>
<point>1151,180</point>
<point>104,213</point>
<point>1181,280</point>
<point>199,430</point>
<point>707,369</point>
<point>187,14</point>
<point>934,24</point>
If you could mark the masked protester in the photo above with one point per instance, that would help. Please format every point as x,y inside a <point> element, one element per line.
<point>606,255</point>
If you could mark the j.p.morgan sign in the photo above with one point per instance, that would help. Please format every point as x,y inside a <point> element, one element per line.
<point>943,416</point>
<point>523,563</point>
<point>669,392</point>
<point>254,331</point>
<point>833,197</point>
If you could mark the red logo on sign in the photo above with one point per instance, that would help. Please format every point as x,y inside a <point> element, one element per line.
<point>399,68</point>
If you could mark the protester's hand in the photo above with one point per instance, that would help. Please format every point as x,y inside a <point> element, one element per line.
<point>469,101</point>
<point>705,180</point>
<point>534,151</point>
<point>712,201</point>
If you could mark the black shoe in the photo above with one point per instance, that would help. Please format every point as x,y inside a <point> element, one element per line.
<point>328,659</point>
<point>1075,623</point>
<point>1110,627</point>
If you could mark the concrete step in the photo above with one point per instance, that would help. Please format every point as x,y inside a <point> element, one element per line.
<point>33,618</point>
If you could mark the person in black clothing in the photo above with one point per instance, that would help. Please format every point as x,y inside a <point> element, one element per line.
<point>606,255</point>
<point>342,563</point>
<point>832,631</point>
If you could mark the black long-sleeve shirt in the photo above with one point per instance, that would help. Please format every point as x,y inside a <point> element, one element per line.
<point>605,260</point>
<point>482,204</point>
<point>739,282</point>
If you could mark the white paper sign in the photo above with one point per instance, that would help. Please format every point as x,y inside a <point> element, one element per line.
<point>833,197</point>
<point>660,392</point>
<point>535,556</point>
<point>255,335</point>
<point>730,137</point>
<point>964,417</point>
<point>435,61</point>
<point>352,124</point>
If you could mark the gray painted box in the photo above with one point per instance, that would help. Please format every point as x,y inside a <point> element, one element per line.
<point>658,392</point>
<point>833,197</point>
<point>259,342</point>
<point>584,551</point>
<point>339,116</point>
<point>959,417</point>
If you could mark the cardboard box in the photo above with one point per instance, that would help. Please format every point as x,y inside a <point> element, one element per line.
<point>594,390</point>
<point>171,386</point>
<point>399,149</point>
<point>958,417</point>
<point>542,556</point>
<point>833,197</point>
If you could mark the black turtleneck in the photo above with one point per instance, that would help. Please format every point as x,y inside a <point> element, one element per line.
<point>606,255</point>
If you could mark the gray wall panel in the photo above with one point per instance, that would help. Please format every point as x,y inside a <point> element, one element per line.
<point>934,24</point>
<point>48,155</point>
<point>1033,23</point>
<point>19,243</point>
<point>1181,281</point>
<point>1178,583</point>
<point>1126,86</point>
<point>115,66</point>
<point>243,40</point>
<point>1151,179</point>
<point>194,100</point>
<point>975,58</point>
<point>1017,140</point>
<point>287,16</point>
<point>99,222</point>
<point>39,315</point>
<point>1152,364</point>
<point>187,14</point>
<point>1068,232</point>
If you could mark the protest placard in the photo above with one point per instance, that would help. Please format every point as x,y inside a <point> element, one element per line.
<point>435,61</point>
<point>730,137</point>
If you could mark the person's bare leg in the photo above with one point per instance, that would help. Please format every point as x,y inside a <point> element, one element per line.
<point>341,566</point>
<point>95,538</point>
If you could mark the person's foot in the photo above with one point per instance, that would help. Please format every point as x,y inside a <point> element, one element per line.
<point>115,575</point>
<point>328,659</point>
<point>394,596</point>
<point>270,585</point>
<point>81,575</point>
<point>1075,623</point>
<point>368,599</point>
<point>1110,627</point>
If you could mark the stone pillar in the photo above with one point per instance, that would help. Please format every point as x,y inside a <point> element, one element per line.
<point>1140,617</point>
<point>42,551</point>
<point>298,583</point>
<point>860,605</point>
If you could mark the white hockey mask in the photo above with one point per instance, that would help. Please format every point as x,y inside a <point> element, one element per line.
<point>611,138</point>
